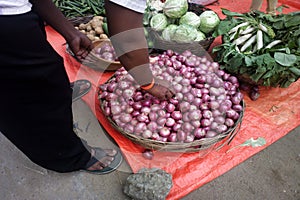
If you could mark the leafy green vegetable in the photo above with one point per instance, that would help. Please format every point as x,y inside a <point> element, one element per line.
<point>285,59</point>
<point>273,65</point>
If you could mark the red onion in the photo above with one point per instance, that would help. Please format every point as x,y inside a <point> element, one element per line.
<point>184,106</point>
<point>142,117</point>
<point>140,127</point>
<point>176,115</point>
<point>172,137</point>
<point>211,134</point>
<point>170,107</point>
<point>199,133</point>
<point>115,110</point>
<point>195,115</point>
<point>176,127</point>
<point>164,132</point>
<point>148,154</point>
<point>152,126</point>
<point>153,116</point>
<point>196,123</point>
<point>170,122</point>
<point>189,138</point>
<point>161,121</point>
<point>129,128</point>
<point>125,117</point>
<point>229,122</point>
<point>145,110</point>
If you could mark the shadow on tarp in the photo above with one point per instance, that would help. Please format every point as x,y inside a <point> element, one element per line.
<point>272,116</point>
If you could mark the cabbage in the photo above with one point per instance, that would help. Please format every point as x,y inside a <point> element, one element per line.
<point>168,32</point>
<point>158,22</point>
<point>209,20</point>
<point>191,19</point>
<point>200,36</point>
<point>185,33</point>
<point>175,8</point>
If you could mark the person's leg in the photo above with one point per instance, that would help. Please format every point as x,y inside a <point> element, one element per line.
<point>271,6</point>
<point>36,97</point>
<point>256,5</point>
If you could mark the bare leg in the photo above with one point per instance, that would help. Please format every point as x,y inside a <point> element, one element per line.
<point>256,5</point>
<point>271,7</point>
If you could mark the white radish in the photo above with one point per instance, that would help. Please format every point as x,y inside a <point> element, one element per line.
<point>262,27</point>
<point>234,29</point>
<point>259,39</point>
<point>272,44</point>
<point>249,29</point>
<point>242,39</point>
<point>248,43</point>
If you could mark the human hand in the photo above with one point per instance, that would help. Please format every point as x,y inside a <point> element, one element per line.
<point>162,90</point>
<point>80,45</point>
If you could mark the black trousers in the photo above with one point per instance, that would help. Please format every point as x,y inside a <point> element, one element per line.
<point>36,99</point>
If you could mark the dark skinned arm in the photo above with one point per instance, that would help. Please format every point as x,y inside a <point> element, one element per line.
<point>128,38</point>
<point>78,42</point>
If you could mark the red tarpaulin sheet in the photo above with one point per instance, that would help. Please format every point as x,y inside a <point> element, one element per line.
<point>272,116</point>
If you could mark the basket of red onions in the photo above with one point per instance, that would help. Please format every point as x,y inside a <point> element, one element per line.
<point>207,107</point>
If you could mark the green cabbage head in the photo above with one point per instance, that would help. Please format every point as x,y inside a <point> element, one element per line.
<point>168,32</point>
<point>158,22</point>
<point>175,8</point>
<point>209,20</point>
<point>200,36</point>
<point>191,19</point>
<point>185,33</point>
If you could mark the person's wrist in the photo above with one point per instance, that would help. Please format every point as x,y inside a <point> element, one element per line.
<point>148,86</point>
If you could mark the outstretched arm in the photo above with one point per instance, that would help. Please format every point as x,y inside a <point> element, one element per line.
<point>128,37</point>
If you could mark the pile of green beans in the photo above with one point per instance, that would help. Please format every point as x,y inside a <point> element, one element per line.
<point>77,8</point>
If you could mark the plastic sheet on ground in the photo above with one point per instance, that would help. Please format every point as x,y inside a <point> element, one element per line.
<point>272,116</point>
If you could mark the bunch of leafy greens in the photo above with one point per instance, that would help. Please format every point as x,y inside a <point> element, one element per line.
<point>278,66</point>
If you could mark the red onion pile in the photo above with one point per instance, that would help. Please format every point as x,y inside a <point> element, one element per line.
<point>207,100</point>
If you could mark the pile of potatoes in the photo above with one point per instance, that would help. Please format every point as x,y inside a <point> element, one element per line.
<point>93,29</point>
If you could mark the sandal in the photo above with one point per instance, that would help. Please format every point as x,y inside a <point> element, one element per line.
<point>80,88</point>
<point>100,153</point>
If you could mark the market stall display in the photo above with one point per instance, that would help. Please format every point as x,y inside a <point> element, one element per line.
<point>270,117</point>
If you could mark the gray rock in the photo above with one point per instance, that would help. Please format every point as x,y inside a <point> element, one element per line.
<point>148,184</point>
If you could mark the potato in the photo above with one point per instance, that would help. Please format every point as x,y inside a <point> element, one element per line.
<point>82,26</point>
<point>91,37</point>
<point>88,27</point>
<point>96,23</point>
<point>99,30</point>
<point>100,18</point>
<point>103,36</point>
